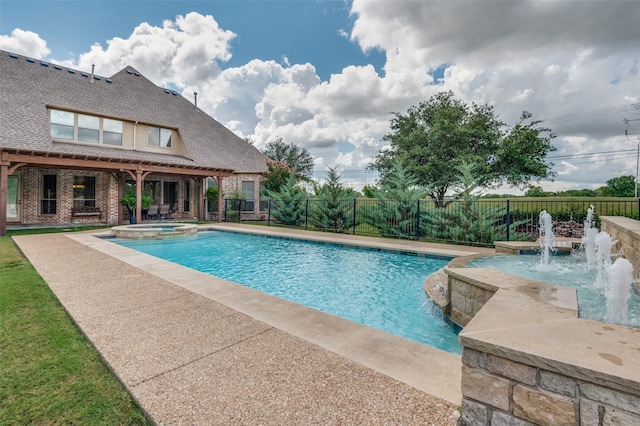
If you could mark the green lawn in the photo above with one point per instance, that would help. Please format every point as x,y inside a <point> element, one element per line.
<point>49,373</point>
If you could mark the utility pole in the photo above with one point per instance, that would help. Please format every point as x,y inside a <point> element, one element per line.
<point>626,134</point>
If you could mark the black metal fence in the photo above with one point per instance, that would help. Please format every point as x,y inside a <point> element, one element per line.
<point>478,222</point>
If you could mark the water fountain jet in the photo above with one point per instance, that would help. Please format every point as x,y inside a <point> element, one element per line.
<point>588,239</point>
<point>546,243</point>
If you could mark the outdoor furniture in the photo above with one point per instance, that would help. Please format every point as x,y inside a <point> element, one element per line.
<point>84,211</point>
<point>153,212</point>
<point>165,212</point>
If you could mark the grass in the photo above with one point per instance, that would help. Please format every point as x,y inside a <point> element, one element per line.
<point>49,372</point>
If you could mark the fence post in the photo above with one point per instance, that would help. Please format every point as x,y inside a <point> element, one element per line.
<point>638,208</point>
<point>225,209</point>
<point>239,210</point>
<point>269,214</point>
<point>418,222</point>
<point>508,218</point>
<point>354,215</point>
<point>306,215</point>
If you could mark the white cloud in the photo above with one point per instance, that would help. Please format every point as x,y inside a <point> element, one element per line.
<point>180,53</point>
<point>572,63</point>
<point>25,43</point>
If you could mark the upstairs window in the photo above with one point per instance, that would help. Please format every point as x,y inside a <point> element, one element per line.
<point>62,124</point>
<point>112,132</point>
<point>85,128</point>
<point>159,137</point>
<point>88,128</point>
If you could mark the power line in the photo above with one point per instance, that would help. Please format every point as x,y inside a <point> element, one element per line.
<point>590,114</point>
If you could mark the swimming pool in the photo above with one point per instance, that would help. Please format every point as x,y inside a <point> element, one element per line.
<point>383,290</point>
<point>566,270</point>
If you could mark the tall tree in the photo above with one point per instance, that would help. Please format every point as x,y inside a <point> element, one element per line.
<point>288,203</point>
<point>333,210</point>
<point>276,176</point>
<point>394,210</point>
<point>298,159</point>
<point>435,137</point>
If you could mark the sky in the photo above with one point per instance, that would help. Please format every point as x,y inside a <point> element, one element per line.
<point>328,75</point>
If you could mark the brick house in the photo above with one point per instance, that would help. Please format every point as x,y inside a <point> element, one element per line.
<point>73,142</point>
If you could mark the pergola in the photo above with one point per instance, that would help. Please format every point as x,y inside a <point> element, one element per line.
<point>119,168</point>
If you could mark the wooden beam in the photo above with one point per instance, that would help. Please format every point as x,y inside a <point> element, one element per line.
<point>93,164</point>
<point>4,184</point>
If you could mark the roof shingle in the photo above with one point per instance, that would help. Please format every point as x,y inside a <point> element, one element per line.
<point>28,88</point>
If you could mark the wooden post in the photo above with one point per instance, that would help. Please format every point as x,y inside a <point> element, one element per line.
<point>138,196</point>
<point>202,214</point>
<point>219,181</point>
<point>4,184</point>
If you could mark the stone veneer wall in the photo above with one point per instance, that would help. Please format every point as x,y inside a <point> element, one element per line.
<point>627,232</point>
<point>528,359</point>
<point>468,296</point>
<point>547,370</point>
<point>500,392</point>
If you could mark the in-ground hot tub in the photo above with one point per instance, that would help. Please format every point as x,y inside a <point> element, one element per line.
<point>155,231</point>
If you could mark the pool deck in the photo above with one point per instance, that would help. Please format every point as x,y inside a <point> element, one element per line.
<point>195,349</point>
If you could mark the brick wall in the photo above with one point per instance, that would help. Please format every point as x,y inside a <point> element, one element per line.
<point>106,196</point>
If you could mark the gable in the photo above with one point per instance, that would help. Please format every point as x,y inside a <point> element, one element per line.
<point>29,87</point>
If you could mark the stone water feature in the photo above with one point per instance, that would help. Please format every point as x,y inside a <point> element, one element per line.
<point>527,356</point>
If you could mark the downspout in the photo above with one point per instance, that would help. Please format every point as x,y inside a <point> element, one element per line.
<point>135,132</point>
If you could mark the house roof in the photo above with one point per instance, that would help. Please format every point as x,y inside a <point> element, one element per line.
<point>28,87</point>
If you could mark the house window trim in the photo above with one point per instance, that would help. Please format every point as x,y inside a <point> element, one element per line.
<point>249,199</point>
<point>48,199</point>
<point>92,201</point>
<point>76,129</point>
<point>161,131</point>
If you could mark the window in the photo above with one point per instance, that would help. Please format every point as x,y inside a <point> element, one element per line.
<point>264,203</point>
<point>84,191</point>
<point>85,128</point>
<point>62,123</point>
<point>170,193</point>
<point>112,132</point>
<point>88,128</point>
<point>186,204</point>
<point>159,137</point>
<point>48,194</point>
<point>247,192</point>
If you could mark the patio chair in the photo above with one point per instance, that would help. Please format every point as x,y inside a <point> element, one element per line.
<point>154,211</point>
<point>165,212</point>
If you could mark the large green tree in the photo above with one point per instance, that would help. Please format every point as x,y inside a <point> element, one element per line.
<point>296,158</point>
<point>435,137</point>
<point>333,209</point>
<point>621,186</point>
<point>394,210</point>
<point>288,203</point>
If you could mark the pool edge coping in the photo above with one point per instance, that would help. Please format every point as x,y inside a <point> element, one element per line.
<point>422,367</point>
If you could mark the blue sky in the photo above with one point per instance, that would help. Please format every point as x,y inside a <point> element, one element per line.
<point>302,31</point>
<point>327,75</point>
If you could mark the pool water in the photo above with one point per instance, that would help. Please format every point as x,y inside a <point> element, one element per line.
<point>567,270</point>
<point>379,289</point>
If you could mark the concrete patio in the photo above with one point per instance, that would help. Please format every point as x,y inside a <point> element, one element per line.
<point>195,349</point>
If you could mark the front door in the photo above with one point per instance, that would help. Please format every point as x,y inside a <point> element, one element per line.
<point>14,202</point>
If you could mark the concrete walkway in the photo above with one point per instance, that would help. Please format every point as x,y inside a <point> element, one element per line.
<point>195,349</point>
